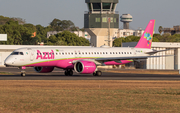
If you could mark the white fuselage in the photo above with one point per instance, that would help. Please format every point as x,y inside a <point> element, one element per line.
<point>28,56</point>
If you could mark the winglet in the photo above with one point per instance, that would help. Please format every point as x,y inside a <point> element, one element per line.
<point>146,39</point>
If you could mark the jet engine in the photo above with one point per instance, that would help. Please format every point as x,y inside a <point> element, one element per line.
<point>43,69</point>
<point>85,67</point>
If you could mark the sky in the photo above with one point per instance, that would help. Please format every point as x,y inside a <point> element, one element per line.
<point>166,12</point>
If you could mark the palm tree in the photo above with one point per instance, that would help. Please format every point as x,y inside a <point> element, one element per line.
<point>160,29</point>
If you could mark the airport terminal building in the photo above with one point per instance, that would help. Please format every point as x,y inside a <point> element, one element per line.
<point>169,62</point>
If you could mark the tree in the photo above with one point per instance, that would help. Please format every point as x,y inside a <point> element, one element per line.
<point>18,34</point>
<point>160,29</point>
<point>3,20</point>
<point>67,38</point>
<point>117,42</point>
<point>42,33</point>
<point>59,25</point>
<point>156,37</point>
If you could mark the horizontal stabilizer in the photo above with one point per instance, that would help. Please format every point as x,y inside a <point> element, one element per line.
<point>155,51</point>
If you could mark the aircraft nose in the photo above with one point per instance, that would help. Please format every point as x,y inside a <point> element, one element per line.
<point>8,62</point>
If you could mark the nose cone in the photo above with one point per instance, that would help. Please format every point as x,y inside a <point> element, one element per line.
<point>8,62</point>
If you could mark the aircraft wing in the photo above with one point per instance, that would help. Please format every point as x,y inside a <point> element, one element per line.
<point>128,58</point>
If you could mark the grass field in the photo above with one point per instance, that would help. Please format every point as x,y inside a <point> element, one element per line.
<point>89,96</point>
<point>6,73</point>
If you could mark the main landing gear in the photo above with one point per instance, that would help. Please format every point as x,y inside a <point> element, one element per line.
<point>68,72</point>
<point>97,73</point>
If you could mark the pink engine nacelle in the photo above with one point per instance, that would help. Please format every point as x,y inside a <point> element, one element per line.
<point>43,69</point>
<point>85,67</point>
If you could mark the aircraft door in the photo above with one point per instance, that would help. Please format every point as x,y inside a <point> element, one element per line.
<point>32,55</point>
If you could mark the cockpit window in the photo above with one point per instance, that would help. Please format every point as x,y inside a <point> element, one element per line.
<point>17,53</point>
<point>21,53</point>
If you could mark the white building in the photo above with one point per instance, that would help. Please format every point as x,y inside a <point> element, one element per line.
<point>78,33</point>
<point>128,32</point>
<point>119,33</point>
<point>169,62</point>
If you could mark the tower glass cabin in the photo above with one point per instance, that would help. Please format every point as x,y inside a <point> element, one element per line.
<point>101,21</point>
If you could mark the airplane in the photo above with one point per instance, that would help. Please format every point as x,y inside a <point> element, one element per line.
<point>82,60</point>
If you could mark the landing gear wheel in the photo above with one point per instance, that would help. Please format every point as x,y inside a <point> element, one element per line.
<point>94,74</point>
<point>23,74</point>
<point>68,72</point>
<point>97,73</point>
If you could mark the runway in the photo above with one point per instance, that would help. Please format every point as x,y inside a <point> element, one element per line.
<point>58,74</point>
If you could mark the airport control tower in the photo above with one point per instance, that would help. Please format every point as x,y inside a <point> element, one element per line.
<point>101,21</point>
<point>126,19</point>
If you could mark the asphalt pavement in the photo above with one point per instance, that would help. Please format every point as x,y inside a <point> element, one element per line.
<point>58,74</point>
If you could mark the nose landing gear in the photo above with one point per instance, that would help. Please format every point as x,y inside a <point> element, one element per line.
<point>23,72</point>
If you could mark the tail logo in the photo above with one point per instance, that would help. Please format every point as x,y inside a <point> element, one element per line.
<point>148,37</point>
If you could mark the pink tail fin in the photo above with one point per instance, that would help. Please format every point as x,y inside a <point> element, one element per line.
<point>146,39</point>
